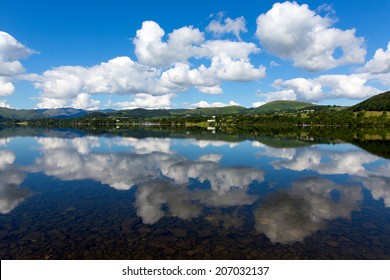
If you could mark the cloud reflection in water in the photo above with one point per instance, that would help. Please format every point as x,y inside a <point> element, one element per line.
<point>10,179</point>
<point>355,163</point>
<point>168,182</point>
<point>122,171</point>
<point>182,202</point>
<point>291,215</point>
<point>162,177</point>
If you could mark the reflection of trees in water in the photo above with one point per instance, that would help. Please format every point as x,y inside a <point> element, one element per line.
<point>273,136</point>
<point>377,147</point>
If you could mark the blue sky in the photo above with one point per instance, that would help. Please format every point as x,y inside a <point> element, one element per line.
<point>178,54</point>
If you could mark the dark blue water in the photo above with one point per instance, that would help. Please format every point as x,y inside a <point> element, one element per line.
<point>72,195</point>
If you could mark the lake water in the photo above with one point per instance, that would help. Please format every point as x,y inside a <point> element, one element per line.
<point>140,194</point>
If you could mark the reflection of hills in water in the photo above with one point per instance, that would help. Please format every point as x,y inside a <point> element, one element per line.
<point>276,140</point>
<point>284,142</point>
<point>377,147</point>
<point>26,131</point>
<point>377,144</point>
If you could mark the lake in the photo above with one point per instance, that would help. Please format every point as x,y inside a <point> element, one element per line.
<point>192,194</point>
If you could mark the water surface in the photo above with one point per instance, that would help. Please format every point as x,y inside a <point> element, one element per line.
<point>139,194</point>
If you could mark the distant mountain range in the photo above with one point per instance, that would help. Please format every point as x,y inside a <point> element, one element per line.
<point>32,114</point>
<point>380,102</point>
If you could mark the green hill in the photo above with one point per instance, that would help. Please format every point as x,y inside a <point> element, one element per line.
<point>282,105</point>
<point>380,102</point>
<point>212,111</point>
<point>62,113</point>
<point>139,113</point>
<point>14,114</point>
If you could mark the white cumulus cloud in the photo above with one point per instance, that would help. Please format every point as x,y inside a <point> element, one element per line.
<point>234,26</point>
<point>237,70</point>
<point>380,63</point>
<point>11,51</point>
<point>210,90</point>
<point>151,50</point>
<point>163,69</point>
<point>147,101</point>
<point>237,50</point>
<point>294,32</point>
<point>207,79</point>
<point>6,87</point>
<point>182,75</point>
<point>205,104</point>
<point>287,94</point>
<point>83,101</point>
<point>4,104</point>
<point>68,85</point>
<point>354,86</point>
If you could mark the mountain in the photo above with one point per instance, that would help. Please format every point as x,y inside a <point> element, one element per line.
<point>281,105</point>
<point>145,113</point>
<point>68,113</point>
<point>63,113</point>
<point>14,114</point>
<point>380,102</point>
<point>35,114</point>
